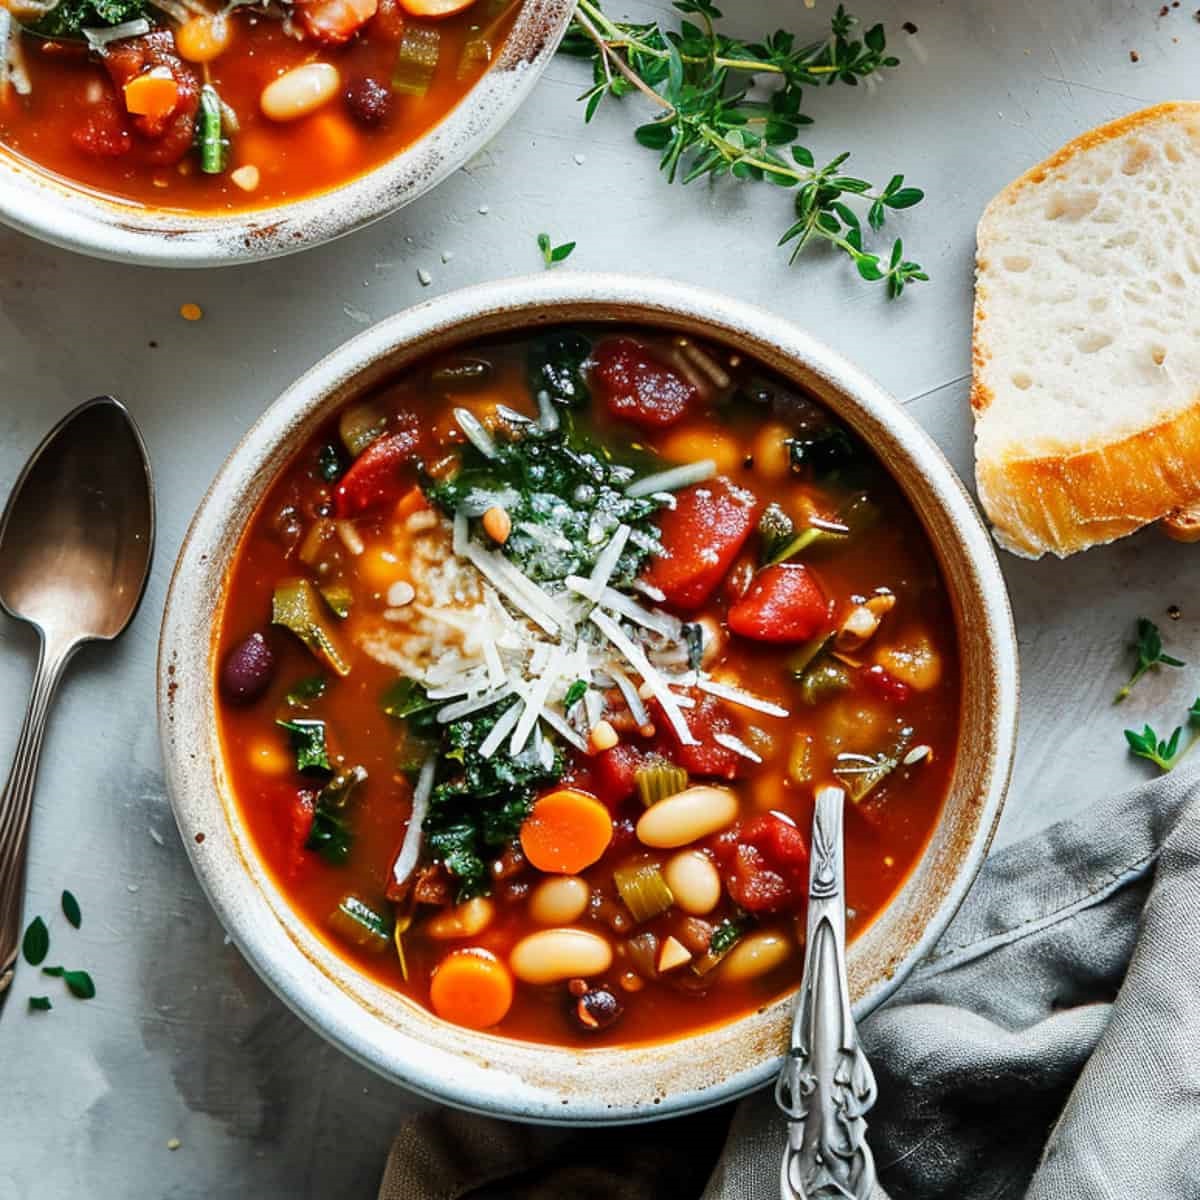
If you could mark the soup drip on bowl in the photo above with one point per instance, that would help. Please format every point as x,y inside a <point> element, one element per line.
<point>529,663</point>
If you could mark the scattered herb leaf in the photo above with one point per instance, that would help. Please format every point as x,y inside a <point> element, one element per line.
<point>40,1004</point>
<point>35,945</point>
<point>71,910</point>
<point>699,79</point>
<point>308,742</point>
<point>552,255</point>
<point>80,984</point>
<point>727,933</point>
<point>54,972</point>
<point>1149,650</point>
<point>1166,753</point>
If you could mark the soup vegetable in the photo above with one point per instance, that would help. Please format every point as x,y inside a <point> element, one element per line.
<point>197,105</point>
<point>529,665</point>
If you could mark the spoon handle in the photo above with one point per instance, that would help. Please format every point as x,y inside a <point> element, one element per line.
<point>826,1086</point>
<point>15,802</point>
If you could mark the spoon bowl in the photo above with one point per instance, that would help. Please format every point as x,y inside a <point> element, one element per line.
<point>75,539</point>
<point>76,542</point>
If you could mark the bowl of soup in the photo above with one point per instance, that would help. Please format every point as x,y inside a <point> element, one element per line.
<point>505,656</point>
<point>189,133</point>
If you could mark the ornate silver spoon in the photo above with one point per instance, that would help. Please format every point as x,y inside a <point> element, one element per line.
<point>826,1086</point>
<point>76,541</point>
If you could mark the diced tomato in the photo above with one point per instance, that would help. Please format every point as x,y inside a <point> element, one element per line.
<point>292,814</point>
<point>887,687</point>
<point>769,867</point>
<point>103,133</point>
<point>637,386</point>
<point>388,22</point>
<point>335,21</point>
<point>165,135</point>
<point>785,603</point>
<point>701,537</point>
<point>613,774</point>
<point>708,758</point>
<point>376,477</point>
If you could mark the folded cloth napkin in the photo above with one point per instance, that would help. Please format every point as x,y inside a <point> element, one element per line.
<point>1048,1047</point>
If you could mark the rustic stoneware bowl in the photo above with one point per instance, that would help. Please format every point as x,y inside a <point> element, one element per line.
<point>392,1034</point>
<point>48,207</point>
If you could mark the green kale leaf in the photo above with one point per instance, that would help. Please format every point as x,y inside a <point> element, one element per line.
<point>69,18</point>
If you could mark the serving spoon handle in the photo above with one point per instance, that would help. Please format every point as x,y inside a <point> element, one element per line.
<point>16,801</point>
<point>826,1085</point>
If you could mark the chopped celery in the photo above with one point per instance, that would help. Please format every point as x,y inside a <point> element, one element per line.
<point>799,662</point>
<point>416,60</point>
<point>359,425</point>
<point>339,598</point>
<point>644,890</point>
<point>359,924</point>
<point>823,680</point>
<point>298,606</point>
<point>476,53</point>
<point>659,779</point>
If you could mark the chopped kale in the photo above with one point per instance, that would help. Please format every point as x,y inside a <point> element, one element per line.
<point>406,700</point>
<point>304,691</point>
<point>308,742</point>
<point>329,463</point>
<point>557,366</point>
<point>824,452</point>
<point>69,18</point>
<point>564,496</point>
<point>330,834</point>
<point>727,933</point>
<point>478,803</point>
<point>693,638</point>
<point>575,693</point>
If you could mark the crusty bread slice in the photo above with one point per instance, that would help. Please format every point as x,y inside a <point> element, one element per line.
<point>1086,387</point>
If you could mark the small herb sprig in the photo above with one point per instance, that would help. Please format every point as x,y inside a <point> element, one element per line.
<point>552,255</point>
<point>35,946</point>
<point>1149,650</point>
<point>699,79</point>
<point>1165,754</point>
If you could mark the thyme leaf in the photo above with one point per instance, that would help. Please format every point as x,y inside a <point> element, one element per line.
<point>1149,650</point>
<point>698,79</point>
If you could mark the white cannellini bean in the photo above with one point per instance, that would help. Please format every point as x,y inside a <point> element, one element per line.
<point>559,900</point>
<point>463,920</point>
<point>552,955</point>
<point>300,91</point>
<point>694,882</point>
<point>756,954</point>
<point>686,817</point>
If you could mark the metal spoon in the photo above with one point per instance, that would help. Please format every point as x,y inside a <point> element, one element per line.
<point>826,1085</point>
<point>76,541</point>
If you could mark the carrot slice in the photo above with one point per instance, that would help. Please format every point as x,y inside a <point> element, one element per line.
<point>153,94</point>
<point>471,987</point>
<point>566,831</point>
<point>434,8</point>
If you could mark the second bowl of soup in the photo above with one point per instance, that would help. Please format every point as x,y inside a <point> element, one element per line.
<point>537,624</point>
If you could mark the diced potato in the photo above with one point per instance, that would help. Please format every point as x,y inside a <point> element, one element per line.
<point>772,453</point>
<point>695,445</point>
<point>853,725</point>
<point>913,661</point>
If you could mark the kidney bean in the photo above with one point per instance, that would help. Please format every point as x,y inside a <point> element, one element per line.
<point>369,102</point>
<point>248,670</point>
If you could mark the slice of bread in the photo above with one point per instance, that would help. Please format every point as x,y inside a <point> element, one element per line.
<point>1086,386</point>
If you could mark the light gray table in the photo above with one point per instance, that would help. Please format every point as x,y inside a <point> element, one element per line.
<point>182,1041</point>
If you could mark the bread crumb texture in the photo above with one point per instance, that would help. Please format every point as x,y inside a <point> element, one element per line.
<point>1086,388</point>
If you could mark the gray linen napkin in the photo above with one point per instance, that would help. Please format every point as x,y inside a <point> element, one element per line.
<point>1049,1046</point>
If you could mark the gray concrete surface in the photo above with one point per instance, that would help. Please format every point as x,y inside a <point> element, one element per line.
<point>182,1041</point>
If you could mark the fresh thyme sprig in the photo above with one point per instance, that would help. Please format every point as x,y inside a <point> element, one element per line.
<point>699,79</point>
<point>1149,649</point>
<point>1165,754</point>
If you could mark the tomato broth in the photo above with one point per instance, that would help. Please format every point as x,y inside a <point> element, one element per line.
<point>422,611</point>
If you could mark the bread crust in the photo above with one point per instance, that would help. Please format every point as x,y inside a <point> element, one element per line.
<point>1066,503</point>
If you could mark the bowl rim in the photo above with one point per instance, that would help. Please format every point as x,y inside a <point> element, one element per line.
<point>482,1072</point>
<point>52,209</point>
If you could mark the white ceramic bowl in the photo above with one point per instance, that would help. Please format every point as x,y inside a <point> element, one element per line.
<point>48,207</point>
<point>392,1034</point>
